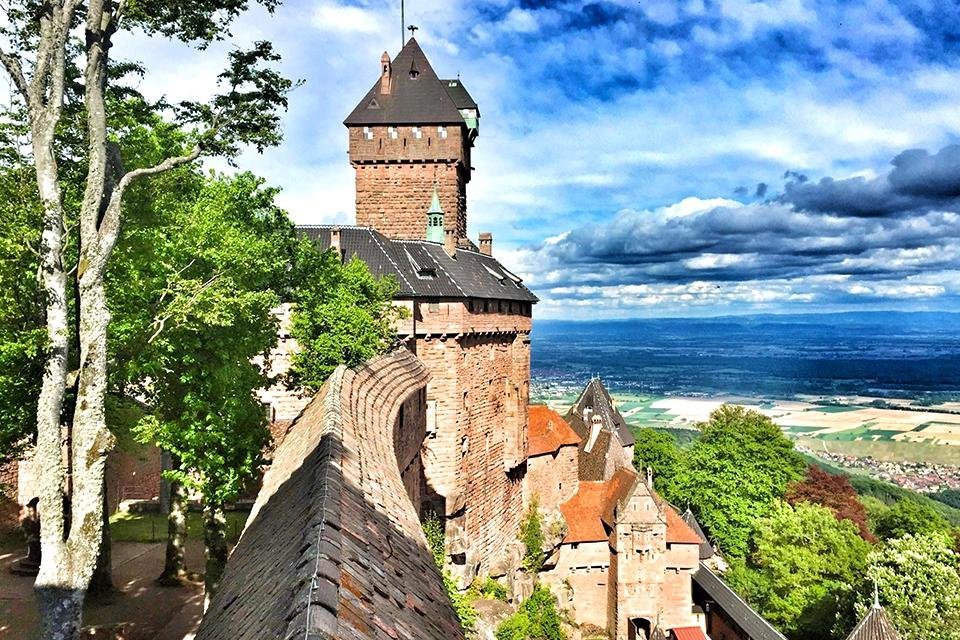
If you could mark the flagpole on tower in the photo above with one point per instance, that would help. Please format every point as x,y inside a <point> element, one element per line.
<point>403,23</point>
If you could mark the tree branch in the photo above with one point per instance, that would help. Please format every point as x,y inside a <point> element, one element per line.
<point>13,67</point>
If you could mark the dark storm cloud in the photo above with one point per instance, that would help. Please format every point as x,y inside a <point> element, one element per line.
<point>898,226</point>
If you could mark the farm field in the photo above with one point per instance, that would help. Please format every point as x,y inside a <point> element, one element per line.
<point>860,429</point>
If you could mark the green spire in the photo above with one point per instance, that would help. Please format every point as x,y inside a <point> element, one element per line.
<point>435,219</point>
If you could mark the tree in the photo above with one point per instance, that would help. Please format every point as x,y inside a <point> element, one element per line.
<point>918,579</point>
<point>803,560</point>
<point>735,473</point>
<point>658,451</point>
<point>833,492</point>
<point>44,38</point>
<point>342,314</point>
<point>909,517</point>
<point>200,367</point>
<point>531,534</point>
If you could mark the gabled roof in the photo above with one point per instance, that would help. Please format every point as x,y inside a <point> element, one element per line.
<point>734,606</point>
<point>875,626</point>
<point>706,549</point>
<point>615,433</point>
<point>688,633</point>
<point>678,532</point>
<point>423,269</point>
<point>548,431</point>
<point>459,94</point>
<point>583,513</point>
<point>417,95</point>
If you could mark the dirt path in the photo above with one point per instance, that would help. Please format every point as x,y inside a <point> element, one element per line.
<point>148,610</point>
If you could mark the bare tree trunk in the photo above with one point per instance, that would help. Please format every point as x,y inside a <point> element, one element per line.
<point>215,541</point>
<point>174,569</point>
<point>101,584</point>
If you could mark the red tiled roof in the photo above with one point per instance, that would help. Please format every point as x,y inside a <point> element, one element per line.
<point>688,633</point>
<point>548,431</point>
<point>618,487</point>
<point>678,531</point>
<point>583,511</point>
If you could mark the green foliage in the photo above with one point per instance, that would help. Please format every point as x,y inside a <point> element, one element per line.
<point>803,560</point>
<point>531,534</point>
<point>734,474</point>
<point>909,517</point>
<point>489,589</point>
<point>949,497</point>
<point>152,527</point>
<point>658,450</point>
<point>537,619</point>
<point>436,539</point>
<point>433,529</point>
<point>891,493</point>
<point>224,252</point>
<point>343,314</point>
<point>918,578</point>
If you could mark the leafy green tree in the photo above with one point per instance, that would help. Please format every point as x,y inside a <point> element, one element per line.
<point>40,43</point>
<point>436,539</point>
<point>909,517</point>
<point>342,314</point>
<point>212,321</point>
<point>537,619</point>
<point>735,473</point>
<point>658,451</point>
<point>918,578</point>
<point>803,561</point>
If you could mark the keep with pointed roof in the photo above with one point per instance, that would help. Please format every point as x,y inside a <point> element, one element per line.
<point>416,95</point>
<point>598,456</point>
<point>875,626</point>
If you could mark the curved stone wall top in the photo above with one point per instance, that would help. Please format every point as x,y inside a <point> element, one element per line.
<point>333,547</point>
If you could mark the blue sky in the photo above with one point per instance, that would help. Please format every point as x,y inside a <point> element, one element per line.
<point>702,157</point>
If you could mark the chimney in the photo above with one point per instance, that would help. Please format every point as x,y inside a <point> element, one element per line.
<point>450,242</point>
<point>335,241</point>
<point>386,71</point>
<point>486,244</point>
<point>596,426</point>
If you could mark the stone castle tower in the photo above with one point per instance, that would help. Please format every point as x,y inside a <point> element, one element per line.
<point>410,137</point>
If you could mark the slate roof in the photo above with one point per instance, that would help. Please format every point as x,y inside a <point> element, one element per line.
<point>706,549</point>
<point>548,431</point>
<point>333,548</point>
<point>875,626</point>
<point>615,432</point>
<point>423,269</point>
<point>459,94</point>
<point>424,99</point>
<point>734,606</point>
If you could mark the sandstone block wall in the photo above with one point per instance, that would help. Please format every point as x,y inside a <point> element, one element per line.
<point>333,547</point>
<point>552,478</point>
<point>586,568</point>
<point>394,198</point>
<point>477,412</point>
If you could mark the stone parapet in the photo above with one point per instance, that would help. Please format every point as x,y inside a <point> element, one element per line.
<point>333,547</point>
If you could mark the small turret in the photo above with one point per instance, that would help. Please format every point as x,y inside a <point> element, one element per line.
<point>386,73</point>
<point>435,219</point>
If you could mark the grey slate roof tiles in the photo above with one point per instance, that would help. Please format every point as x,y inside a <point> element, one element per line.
<point>734,606</point>
<point>423,269</point>
<point>615,432</point>
<point>874,626</point>
<point>423,99</point>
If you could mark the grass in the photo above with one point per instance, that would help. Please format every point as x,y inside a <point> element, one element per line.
<point>152,527</point>
<point>834,408</point>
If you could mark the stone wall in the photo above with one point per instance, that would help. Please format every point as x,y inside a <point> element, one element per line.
<point>474,454</point>
<point>585,566</point>
<point>552,478</point>
<point>395,178</point>
<point>333,547</point>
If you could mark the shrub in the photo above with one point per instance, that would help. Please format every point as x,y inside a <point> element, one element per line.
<point>531,533</point>
<point>537,619</point>
<point>433,529</point>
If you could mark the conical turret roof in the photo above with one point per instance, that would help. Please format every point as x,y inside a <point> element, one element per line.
<point>875,626</point>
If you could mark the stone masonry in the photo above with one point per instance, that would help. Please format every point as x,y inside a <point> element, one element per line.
<point>333,547</point>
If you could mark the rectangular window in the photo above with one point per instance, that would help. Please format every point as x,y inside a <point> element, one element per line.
<point>442,132</point>
<point>367,133</point>
<point>417,132</point>
<point>392,132</point>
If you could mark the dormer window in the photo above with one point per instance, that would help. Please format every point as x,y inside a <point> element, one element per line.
<point>392,132</point>
<point>417,132</point>
<point>367,133</point>
<point>442,132</point>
